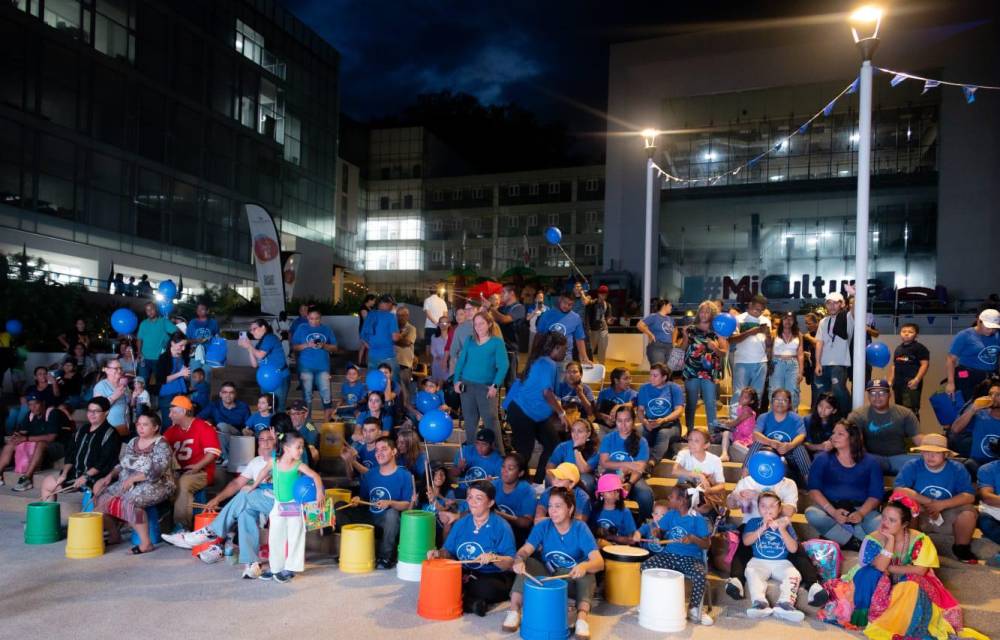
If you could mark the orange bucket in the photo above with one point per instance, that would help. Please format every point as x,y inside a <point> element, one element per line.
<point>440,590</point>
<point>203,519</point>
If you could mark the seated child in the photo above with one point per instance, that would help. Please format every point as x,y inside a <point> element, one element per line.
<point>140,396</point>
<point>261,418</point>
<point>738,432</point>
<point>700,467</point>
<point>649,533</point>
<point>352,394</point>
<point>200,391</point>
<point>613,523</point>
<point>772,538</point>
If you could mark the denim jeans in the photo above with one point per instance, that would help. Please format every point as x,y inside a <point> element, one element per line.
<point>281,394</point>
<point>834,379</point>
<point>990,527</point>
<point>659,441</point>
<point>322,381</point>
<point>785,375</point>
<point>244,512</point>
<point>832,530</point>
<point>747,374</point>
<point>642,494</point>
<point>145,370</point>
<point>658,352</point>
<point>705,388</point>
<point>891,465</point>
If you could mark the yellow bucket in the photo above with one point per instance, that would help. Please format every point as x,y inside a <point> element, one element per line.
<point>85,538</point>
<point>331,439</point>
<point>357,548</point>
<point>623,574</point>
<point>338,495</point>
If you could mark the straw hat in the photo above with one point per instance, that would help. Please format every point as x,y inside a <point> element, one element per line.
<point>935,443</point>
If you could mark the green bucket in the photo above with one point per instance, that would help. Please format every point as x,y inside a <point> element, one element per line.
<point>416,535</point>
<point>42,523</point>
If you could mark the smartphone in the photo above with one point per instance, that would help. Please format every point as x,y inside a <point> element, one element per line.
<point>243,335</point>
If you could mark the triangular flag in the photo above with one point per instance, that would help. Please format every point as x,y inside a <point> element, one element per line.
<point>854,86</point>
<point>828,109</point>
<point>897,79</point>
<point>931,319</point>
<point>970,93</point>
<point>778,146</point>
<point>754,161</point>
<point>930,84</point>
<point>804,128</point>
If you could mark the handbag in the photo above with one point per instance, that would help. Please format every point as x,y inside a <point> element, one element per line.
<point>290,509</point>
<point>675,361</point>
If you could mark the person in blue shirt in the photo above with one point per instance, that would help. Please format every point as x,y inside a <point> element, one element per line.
<point>566,476</point>
<point>531,401</point>
<point>644,535</point>
<point>984,416</point>
<point>515,498</point>
<point>172,373</point>
<point>612,523</point>
<point>658,327</point>
<point>565,547</point>
<point>660,403</point>
<point>201,392</point>
<point>429,396</point>
<point>626,453</point>
<point>565,322</point>
<point>582,449</point>
<point>772,538</point>
<point>352,393</point>
<point>313,343</point>
<point>260,419</point>
<point>943,489</point>
<point>199,331</point>
<point>988,481</point>
<point>299,320</point>
<point>228,415</point>
<point>974,354</point>
<point>380,333</point>
<point>375,408</point>
<point>478,461</point>
<point>481,535</point>
<point>360,457</point>
<point>619,392</point>
<point>784,431</point>
<point>573,393</point>
<point>684,535</point>
<point>410,455</point>
<point>269,352</point>
<point>390,491</point>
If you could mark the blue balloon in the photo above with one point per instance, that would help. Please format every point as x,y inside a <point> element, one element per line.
<point>766,468</point>
<point>168,290</point>
<point>305,490</point>
<point>426,402</point>
<point>553,235</point>
<point>375,380</point>
<point>877,354</point>
<point>436,426</point>
<point>216,351</point>
<point>724,324</point>
<point>124,321</point>
<point>165,307</point>
<point>14,327</point>
<point>269,378</point>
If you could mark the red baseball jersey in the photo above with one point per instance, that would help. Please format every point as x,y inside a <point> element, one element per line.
<point>193,444</point>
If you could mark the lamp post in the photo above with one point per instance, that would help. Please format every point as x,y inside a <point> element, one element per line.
<point>868,19</point>
<point>649,138</point>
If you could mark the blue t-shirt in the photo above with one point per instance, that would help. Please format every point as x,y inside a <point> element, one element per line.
<point>945,484</point>
<point>837,482</point>
<point>562,551</point>
<point>975,351</point>
<point>582,501</point>
<point>659,402</point>
<point>377,332</point>
<point>418,468</point>
<point>543,375</point>
<point>274,353</point>
<point>202,329</point>
<point>564,452</point>
<point>464,542</point>
<point>674,526</point>
<point>236,415</point>
<point>201,395</point>
<point>785,431</point>
<point>646,532</point>
<point>258,423</point>
<point>386,419</point>
<point>519,502</point>
<point>352,394</point>
<point>396,486</point>
<point>985,433</point>
<point>476,466</point>
<point>608,398</point>
<point>614,445</point>
<point>618,522</point>
<point>313,358</point>
<point>989,476</point>
<point>660,326</point>
<point>366,456</point>
<point>310,434</point>
<point>567,395</point>
<point>177,386</point>
<point>769,546</point>
<point>568,324</point>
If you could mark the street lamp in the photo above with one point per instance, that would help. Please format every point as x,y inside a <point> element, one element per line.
<point>865,23</point>
<point>649,139</point>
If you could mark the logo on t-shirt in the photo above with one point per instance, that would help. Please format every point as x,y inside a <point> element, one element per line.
<point>475,473</point>
<point>769,545</point>
<point>658,407</point>
<point>559,560</point>
<point>935,492</point>
<point>202,333</point>
<point>376,494</point>
<point>989,445</point>
<point>620,456</point>
<point>470,551</point>
<point>316,337</point>
<point>604,523</point>
<point>780,436</point>
<point>558,327</point>
<point>676,533</point>
<point>352,398</point>
<point>988,355</point>
<point>665,326</point>
<point>502,508</point>
<point>875,428</point>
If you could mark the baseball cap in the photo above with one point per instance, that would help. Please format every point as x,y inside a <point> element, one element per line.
<point>485,435</point>
<point>990,318</point>
<point>877,383</point>
<point>836,296</point>
<point>298,405</point>
<point>602,289</point>
<point>183,402</point>
<point>32,397</point>
<point>566,471</point>
<point>934,442</point>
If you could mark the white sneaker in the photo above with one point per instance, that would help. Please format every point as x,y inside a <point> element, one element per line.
<point>787,611</point>
<point>582,629</point>
<point>253,571</point>
<point>759,609</point>
<point>511,622</point>
<point>201,536</point>
<point>697,616</point>
<point>177,539</point>
<point>211,555</point>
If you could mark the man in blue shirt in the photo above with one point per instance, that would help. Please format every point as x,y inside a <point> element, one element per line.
<point>228,415</point>
<point>974,354</point>
<point>199,331</point>
<point>984,416</point>
<point>562,319</point>
<point>989,507</point>
<point>380,333</point>
<point>313,343</point>
<point>944,491</point>
<point>299,413</point>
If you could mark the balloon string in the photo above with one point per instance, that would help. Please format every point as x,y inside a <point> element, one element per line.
<point>573,264</point>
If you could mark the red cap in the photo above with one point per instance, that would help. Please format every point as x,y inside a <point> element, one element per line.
<point>602,289</point>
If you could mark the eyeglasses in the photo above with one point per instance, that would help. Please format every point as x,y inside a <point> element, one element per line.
<point>89,411</point>
<point>878,392</point>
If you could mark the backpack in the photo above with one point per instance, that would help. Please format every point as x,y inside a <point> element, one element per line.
<point>826,556</point>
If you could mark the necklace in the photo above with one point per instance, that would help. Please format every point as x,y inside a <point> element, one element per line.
<point>476,526</point>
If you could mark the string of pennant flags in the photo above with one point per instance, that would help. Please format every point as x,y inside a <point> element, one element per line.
<point>898,77</point>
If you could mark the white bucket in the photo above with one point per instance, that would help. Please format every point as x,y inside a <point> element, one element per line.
<point>240,452</point>
<point>408,571</point>
<point>661,601</point>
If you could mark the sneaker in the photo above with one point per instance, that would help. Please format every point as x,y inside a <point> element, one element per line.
<point>267,575</point>
<point>193,538</point>
<point>252,571</point>
<point>179,528</point>
<point>697,616</point>
<point>177,539</point>
<point>994,561</point>
<point>787,611</point>
<point>212,554</point>
<point>582,629</point>
<point>23,484</point>
<point>385,564</point>
<point>734,588</point>
<point>817,595</point>
<point>478,607</point>
<point>511,622</point>
<point>283,576</point>
<point>759,609</point>
<point>963,552</point>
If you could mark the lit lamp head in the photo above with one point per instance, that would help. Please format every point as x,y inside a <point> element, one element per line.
<point>649,137</point>
<point>865,23</point>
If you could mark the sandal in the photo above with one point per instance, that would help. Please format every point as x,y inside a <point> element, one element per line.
<point>136,550</point>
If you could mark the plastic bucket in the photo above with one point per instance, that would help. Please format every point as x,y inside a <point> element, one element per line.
<point>331,439</point>
<point>544,616</point>
<point>153,519</point>
<point>623,574</point>
<point>41,525</point>
<point>440,590</point>
<point>85,537</point>
<point>416,535</point>
<point>357,548</point>
<point>661,607</point>
<point>408,571</point>
<point>338,495</point>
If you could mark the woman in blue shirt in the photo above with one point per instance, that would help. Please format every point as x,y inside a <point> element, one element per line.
<point>566,548</point>
<point>660,403</point>
<point>619,392</point>
<point>268,352</point>
<point>532,401</point>
<point>172,369</point>
<point>484,536</point>
<point>573,394</point>
<point>626,453</point>
<point>515,498</point>
<point>845,488</point>
<point>582,450</point>
<point>313,343</point>
<point>658,327</point>
<point>376,409</point>
<point>784,431</point>
<point>481,368</point>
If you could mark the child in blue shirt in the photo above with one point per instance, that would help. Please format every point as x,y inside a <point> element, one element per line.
<point>613,523</point>
<point>352,394</point>
<point>646,539</point>
<point>566,476</point>
<point>260,419</point>
<point>201,393</point>
<point>478,461</point>
<point>772,538</point>
<point>573,394</point>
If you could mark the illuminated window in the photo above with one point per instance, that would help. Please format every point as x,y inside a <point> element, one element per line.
<point>395,229</point>
<point>394,259</point>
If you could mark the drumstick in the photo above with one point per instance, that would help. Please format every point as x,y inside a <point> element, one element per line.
<point>559,577</point>
<point>486,479</point>
<point>534,579</point>
<point>651,541</point>
<point>475,560</point>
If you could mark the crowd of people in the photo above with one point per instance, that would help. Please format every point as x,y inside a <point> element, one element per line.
<point>509,511</point>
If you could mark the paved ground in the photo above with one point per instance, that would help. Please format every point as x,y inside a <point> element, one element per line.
<point>169,594</point>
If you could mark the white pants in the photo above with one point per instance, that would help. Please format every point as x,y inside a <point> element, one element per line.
<point>284,530</point>
<point>759,571</point>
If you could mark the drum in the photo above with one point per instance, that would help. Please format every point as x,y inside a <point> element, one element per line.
<point>661,606</point>
<point>417,531</point>
<point>357,548</point>
<point>331,439</point>
<point>545,616</point>
<point>85,536</point>
<point>440,590</point>
<point>622,574</point>
<point>41,524</point>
